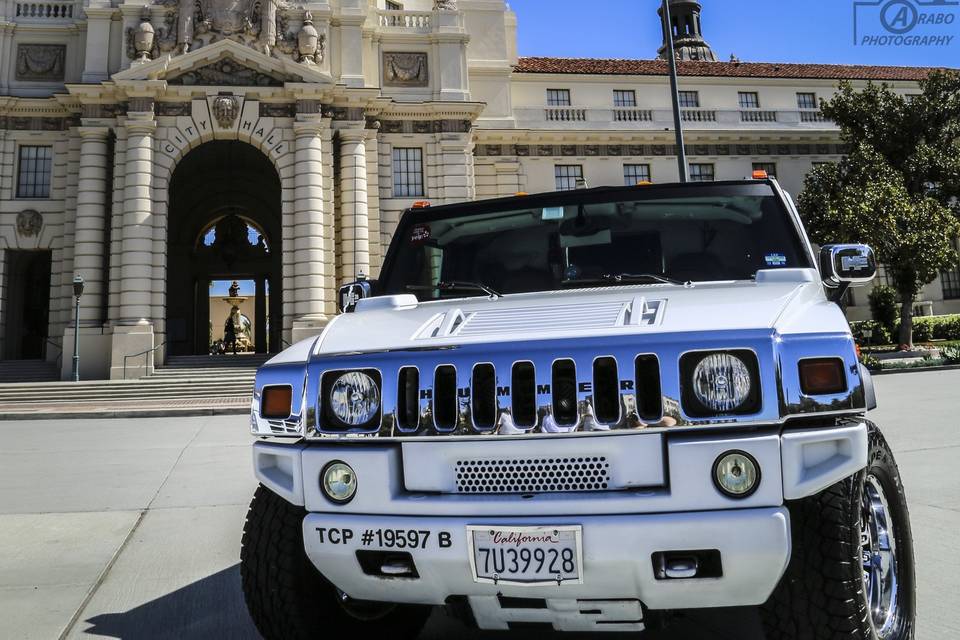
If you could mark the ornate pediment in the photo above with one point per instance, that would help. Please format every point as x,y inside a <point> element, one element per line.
<point>224,63</point>
<point>228,73</point>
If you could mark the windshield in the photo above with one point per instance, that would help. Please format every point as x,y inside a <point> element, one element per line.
<point>621,236</point>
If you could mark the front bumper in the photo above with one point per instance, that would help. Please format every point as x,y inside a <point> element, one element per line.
<point>754,545</point>
<point>673,506</point>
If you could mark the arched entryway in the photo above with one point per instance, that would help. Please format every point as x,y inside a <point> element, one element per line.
<point>224,226</point>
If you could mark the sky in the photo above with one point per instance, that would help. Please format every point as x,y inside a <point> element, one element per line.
<point>755,30</point>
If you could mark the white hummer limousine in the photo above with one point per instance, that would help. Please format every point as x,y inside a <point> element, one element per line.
<point>581,411</point>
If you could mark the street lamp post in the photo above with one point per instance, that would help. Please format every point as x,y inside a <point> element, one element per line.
<point>77,292</point>
<point>674,91</point>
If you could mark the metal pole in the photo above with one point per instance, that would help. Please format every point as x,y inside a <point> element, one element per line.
<point>76,342</point>
<point>674,92</point>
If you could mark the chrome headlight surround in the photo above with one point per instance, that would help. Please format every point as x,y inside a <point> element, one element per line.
<point>351,400</point>
<point>718,383</point>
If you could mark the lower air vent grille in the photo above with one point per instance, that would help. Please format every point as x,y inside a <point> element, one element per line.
<point>533,475</point>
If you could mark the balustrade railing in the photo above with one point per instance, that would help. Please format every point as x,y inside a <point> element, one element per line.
<point>406,20</point>
<point>564,114</point>
<point>698,115</point>
<point>756,115</point>
<point>812,116</point>
<point>632,114</point>
<point>45,10</point>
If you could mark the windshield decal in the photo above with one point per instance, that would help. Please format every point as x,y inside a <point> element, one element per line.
<point>552,213</point>
<point>775,259</point>
<point>420,234</point>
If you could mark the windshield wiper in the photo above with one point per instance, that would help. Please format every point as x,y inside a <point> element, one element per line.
<point>617,278</point>
<point>457,285</point>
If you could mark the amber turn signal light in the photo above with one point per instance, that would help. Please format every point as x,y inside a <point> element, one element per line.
<point>421,204</point>
<point>760,174</point>
<point>276,402</point>
<point>819,376</point>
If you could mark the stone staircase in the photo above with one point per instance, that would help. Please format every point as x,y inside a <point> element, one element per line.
<point>28,371</point>
<point>223,383</point>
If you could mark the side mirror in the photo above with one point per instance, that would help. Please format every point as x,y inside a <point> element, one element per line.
<point>846,264</point>
<point>350,294</point>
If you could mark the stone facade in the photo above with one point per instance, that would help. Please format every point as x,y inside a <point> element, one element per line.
<point>105,100</point>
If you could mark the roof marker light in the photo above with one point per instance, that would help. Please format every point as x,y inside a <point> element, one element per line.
<point>421,204</point>
<point>760,174</point>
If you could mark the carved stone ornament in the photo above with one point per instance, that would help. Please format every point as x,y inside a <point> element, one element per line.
<point>40,61</point>
<point>444,5</point>
<point>225,110</point>
<point>310,42</point>
<point>229,74</point>
<point>29,222</point>
<point>144,37</point>
<point>405,69</point>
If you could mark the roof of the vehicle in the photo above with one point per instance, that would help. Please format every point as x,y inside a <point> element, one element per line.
<point>575,195</point>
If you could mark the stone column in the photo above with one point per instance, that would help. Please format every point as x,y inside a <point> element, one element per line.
<point>354,221</point>
<point>89,249</point>
<point>133,331</point>
<point>309,267</point>
<point>137,258</point>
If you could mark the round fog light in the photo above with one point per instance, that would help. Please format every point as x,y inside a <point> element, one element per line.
<point>736,474</point>
<point>338,482</point>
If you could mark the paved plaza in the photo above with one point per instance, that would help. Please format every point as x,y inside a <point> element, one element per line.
<point>127,528</point>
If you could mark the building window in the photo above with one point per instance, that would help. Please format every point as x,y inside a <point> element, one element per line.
<point>749,100</point>
<point>884,276</point>
<point>407,172</point>
<point>690,99</point>
<point>558,97</point>
<point>806,101</point>
<point>769,167</point>
<point>394,6</point>
<point>950,280</point>
<point>33,173</point>
<point>701,172</point>
<point>568,176</point>
<point>634,173</point>
<point>624,98</point>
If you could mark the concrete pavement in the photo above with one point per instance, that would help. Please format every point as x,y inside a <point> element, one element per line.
<point>129,528</point>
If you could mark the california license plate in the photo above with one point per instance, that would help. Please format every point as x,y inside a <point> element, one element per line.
<point>526,555</point>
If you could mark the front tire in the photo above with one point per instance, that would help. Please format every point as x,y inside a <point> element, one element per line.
<point>848,578</point>
<point>289,599</point>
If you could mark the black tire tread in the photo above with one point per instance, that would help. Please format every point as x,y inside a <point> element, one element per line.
<point>286,596</point>
<point>820,596</point>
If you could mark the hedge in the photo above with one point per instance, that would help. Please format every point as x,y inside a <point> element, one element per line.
<point>925,329</point>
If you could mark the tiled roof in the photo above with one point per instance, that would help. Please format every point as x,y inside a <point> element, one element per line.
<point>598,66</point>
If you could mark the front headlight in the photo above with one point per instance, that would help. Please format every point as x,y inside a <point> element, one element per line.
<point>722,382</point>
<point>354,398</point>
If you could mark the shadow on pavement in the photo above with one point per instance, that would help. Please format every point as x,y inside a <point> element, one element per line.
<point>214,608</point>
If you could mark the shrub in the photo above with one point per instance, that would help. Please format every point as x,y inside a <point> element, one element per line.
<point>951,355</point>
<point>881,334</point>
<point>885,306</point>
<point>923,329</point>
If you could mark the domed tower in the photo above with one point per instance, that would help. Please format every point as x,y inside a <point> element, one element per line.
<point>688,42</point>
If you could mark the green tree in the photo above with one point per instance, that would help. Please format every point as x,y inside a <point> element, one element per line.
<point>896,189</point>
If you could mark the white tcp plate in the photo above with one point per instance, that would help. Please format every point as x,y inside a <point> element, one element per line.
<point>526,555</point>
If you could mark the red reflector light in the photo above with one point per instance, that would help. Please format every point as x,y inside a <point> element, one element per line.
<point>760,174</point>
<point>275,402</point>
<point>819,376</point>
<point>421,204</point>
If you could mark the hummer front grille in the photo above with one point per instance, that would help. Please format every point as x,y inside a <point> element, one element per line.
<point>533,475</point>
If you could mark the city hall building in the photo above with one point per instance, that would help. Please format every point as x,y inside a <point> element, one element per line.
<point>156,148</point>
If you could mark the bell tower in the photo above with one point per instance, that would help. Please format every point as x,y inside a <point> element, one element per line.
<point>688,42</point>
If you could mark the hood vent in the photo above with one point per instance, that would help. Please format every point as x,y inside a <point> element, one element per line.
<point>582,316</point>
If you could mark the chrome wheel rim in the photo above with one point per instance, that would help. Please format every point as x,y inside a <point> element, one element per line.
<point>878,548</point>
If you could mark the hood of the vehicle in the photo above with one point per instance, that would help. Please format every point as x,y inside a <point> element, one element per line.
<point>788,303</point>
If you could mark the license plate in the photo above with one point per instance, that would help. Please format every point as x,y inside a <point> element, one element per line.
<point>526,555</point>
